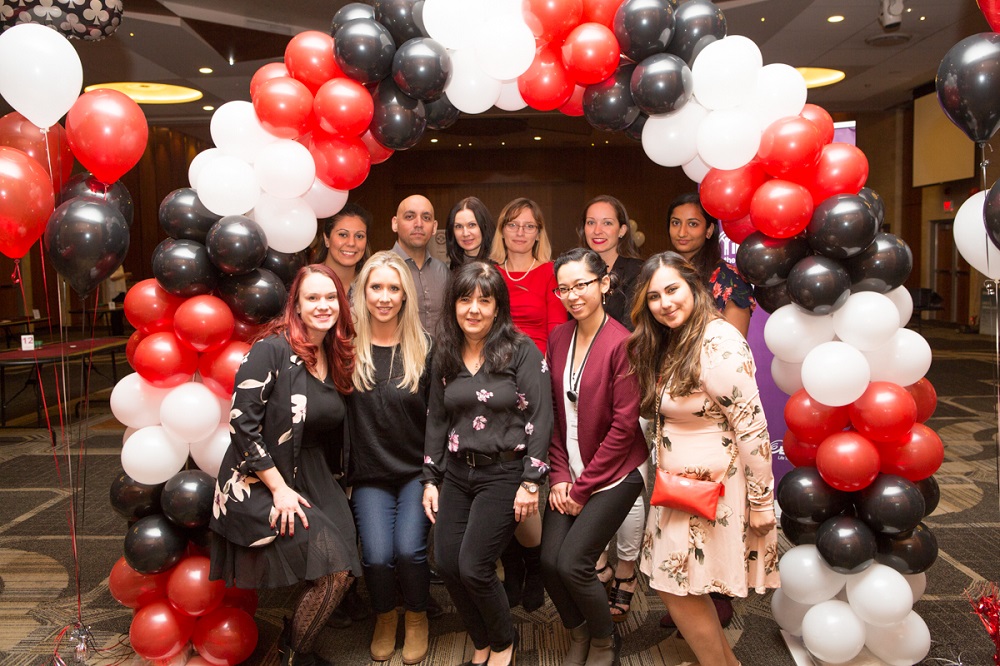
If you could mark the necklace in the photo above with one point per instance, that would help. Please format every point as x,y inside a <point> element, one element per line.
<point>507,271</point>
<point>574,377</point>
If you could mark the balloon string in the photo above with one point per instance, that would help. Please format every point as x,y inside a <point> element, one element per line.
<point>996,365</point>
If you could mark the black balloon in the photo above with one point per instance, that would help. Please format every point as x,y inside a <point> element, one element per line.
<point>184,217</point>
<point>847,544</point>
<point>882,266</point>
<point>608,105</point>
<point>399,19</point>
<point>236,245</point>
<point>697,24</point>
<point>187,498</point>
<point>766,261</point>
<point>909,553</point>
<point>364,50</point>
<point>285,265</point>
<point>441,113</point>
<point>968,85</point>
<point>819,285</point>
<point>86,240</point>
<point>991,213</point>
<point>133,500</point>
<point>399,120</point>
<point>634,131</point>
<point>931,492</point>
<point>799,532</point>
<point>773,297</point>
<point>352,11</point>
<point>661,83</point>
<point>842,226</point>
<point>115,194</point>
<point>421,68</point>
<point>153,544</point>
<point>183,268</point>
<point>254,297</point>
<point>803,495</point>
<point>643,27</point>
<point>891,505</point>
<point>875,201</point>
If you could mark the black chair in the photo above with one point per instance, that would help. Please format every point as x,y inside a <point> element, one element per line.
<point>925,300</point>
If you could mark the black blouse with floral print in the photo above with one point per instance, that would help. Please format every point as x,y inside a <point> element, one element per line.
<point>492,412</point>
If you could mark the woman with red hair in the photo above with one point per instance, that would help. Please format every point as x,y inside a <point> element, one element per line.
<point>279,512</point>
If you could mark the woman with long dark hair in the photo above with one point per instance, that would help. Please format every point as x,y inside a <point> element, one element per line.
<point>469,232</point>
<point>344,242</point>
<point>604,228</point>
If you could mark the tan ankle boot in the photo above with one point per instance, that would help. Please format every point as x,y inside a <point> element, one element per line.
<point>384,639</point>
<point>415,641</point>
<point>579,646</point>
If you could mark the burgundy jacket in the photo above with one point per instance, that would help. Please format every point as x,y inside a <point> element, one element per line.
<point>611,441</point>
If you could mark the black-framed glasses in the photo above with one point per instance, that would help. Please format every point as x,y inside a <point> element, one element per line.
<point>579,288</point>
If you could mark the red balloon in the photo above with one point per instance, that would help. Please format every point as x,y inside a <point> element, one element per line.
<point>18,132</point>
<point>218,368</point>
<point>885,412</point>
<point>590,53</point>
<point>133,342</point>
<point>344,106</point>
<point>926,398</point>
<point>726,195</point>
<point>245,600</point>
<point>163,361</point>
<point>272,70</point>
<point>107,132</point>
<point>226,635</point>
<point>812,422</point>
<point>376,150</point>
<point>204,323</point>
<point>149,308</point>
<point>546,85</point>
<point>342,162</point>
<point>842,169</point>
<point>789,144</point>
<point>821,119</point>
<point>600,11</point>
<point>799,453</point>
<point>847,461</point>
<point>738,230</point>
<point>158,631</point>
<point>918,456</point>
<point>284,106</point>
<point>26,202</point>
<point>245,332</point>
<point>781,209</point>
<point>133,589</point>
<point>551,20</point>
<point>190,591</point>
<point>574,105</point>
<point>309,58</point>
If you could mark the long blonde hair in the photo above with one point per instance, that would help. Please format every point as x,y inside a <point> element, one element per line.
<point>542,250</point>
<point>413,342</point>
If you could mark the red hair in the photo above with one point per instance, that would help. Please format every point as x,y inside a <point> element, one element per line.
<point>339,346</point>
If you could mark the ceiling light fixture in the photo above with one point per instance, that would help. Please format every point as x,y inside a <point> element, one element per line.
<point>836,18</point>
<point>434,140</point>
<point>151,93</point>
<point>205,70</point>
<point>538,138</point>
<point>208,107</point>
<point>817,77</point>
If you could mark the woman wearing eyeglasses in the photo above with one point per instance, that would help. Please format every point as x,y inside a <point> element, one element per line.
<point>596,452</point>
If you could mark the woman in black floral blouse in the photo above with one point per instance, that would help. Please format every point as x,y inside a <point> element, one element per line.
<point>488,430</point>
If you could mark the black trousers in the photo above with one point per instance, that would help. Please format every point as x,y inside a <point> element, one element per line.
<point>475,521</point>
<point>570,548</point>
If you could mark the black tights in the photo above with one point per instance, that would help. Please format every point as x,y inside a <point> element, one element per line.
<point>314,607</point>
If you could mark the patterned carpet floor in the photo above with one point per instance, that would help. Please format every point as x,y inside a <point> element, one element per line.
<point>42,592</point>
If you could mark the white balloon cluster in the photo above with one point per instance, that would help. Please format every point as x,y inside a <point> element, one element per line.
<point>837,615</point>
<point>971,239</point>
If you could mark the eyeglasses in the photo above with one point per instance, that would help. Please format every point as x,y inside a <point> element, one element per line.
<point>579,288</point>
<point>513,227</point>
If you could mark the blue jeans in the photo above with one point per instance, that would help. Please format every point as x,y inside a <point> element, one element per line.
<point>393,532</point>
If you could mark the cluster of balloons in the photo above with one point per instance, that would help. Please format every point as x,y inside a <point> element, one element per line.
<point>91,21</point>
<point>164,574</point>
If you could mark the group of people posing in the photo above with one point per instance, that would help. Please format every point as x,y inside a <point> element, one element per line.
<point>396,394</point>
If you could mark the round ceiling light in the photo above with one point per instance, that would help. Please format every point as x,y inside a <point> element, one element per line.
<point>151,93</point>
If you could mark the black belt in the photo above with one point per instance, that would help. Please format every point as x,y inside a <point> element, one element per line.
<point>474,459</point>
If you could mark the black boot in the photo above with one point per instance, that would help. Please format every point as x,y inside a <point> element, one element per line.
<point>534,590</point>
<point>513,572</point>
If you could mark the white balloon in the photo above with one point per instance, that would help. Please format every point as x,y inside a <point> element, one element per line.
<point>470,89</point>
<point>832,632</point>
<point>198,163</point>
<point>449,22</point>
<point>237,131</point>
<point>135,402</point>
<point>190,412</point>
<point>285,169</point>
<point>786,376</point>
<point>903,360</point>
<point>917,583</point>
<point>129,431</point>
<point>728,138</point>
<point>866,321</point>
<point>671,139</point>
<point>208,452</point>
<point>880,595</point>
<point>505,46</point>
<point>43,74</point>
<point>836,374</point>
<point>781,92</point>
<point>788,613</point>
<point>289,224</point>
<point>806,578</point>
<point>901,298</point>
<point>696,170</point>
<point>510,97</point>
<point>791,333</point>
<point>971,239</point>
<point>228,186</point>
<point>324,200</point>
<point>725,72</point>
<point>902,644</point>
<point>150,456</point>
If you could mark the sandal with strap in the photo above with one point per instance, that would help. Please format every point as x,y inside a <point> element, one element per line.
<point>621,600</point>
<point>609,582</point>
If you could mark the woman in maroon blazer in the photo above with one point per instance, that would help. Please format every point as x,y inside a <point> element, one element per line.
<point>597,448</point>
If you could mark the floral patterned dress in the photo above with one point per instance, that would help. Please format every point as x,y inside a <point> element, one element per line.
<point>687,554</point>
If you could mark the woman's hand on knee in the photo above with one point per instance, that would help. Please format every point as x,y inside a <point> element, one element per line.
<point>287,505</point>
<point>558,494</point>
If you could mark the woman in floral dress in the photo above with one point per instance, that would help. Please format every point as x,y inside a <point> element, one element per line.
<point>696,376</point>
<point>280,516</point>
<point>488,429</point>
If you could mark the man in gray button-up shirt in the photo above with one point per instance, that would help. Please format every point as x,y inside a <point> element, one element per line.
<point>415,225</point>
